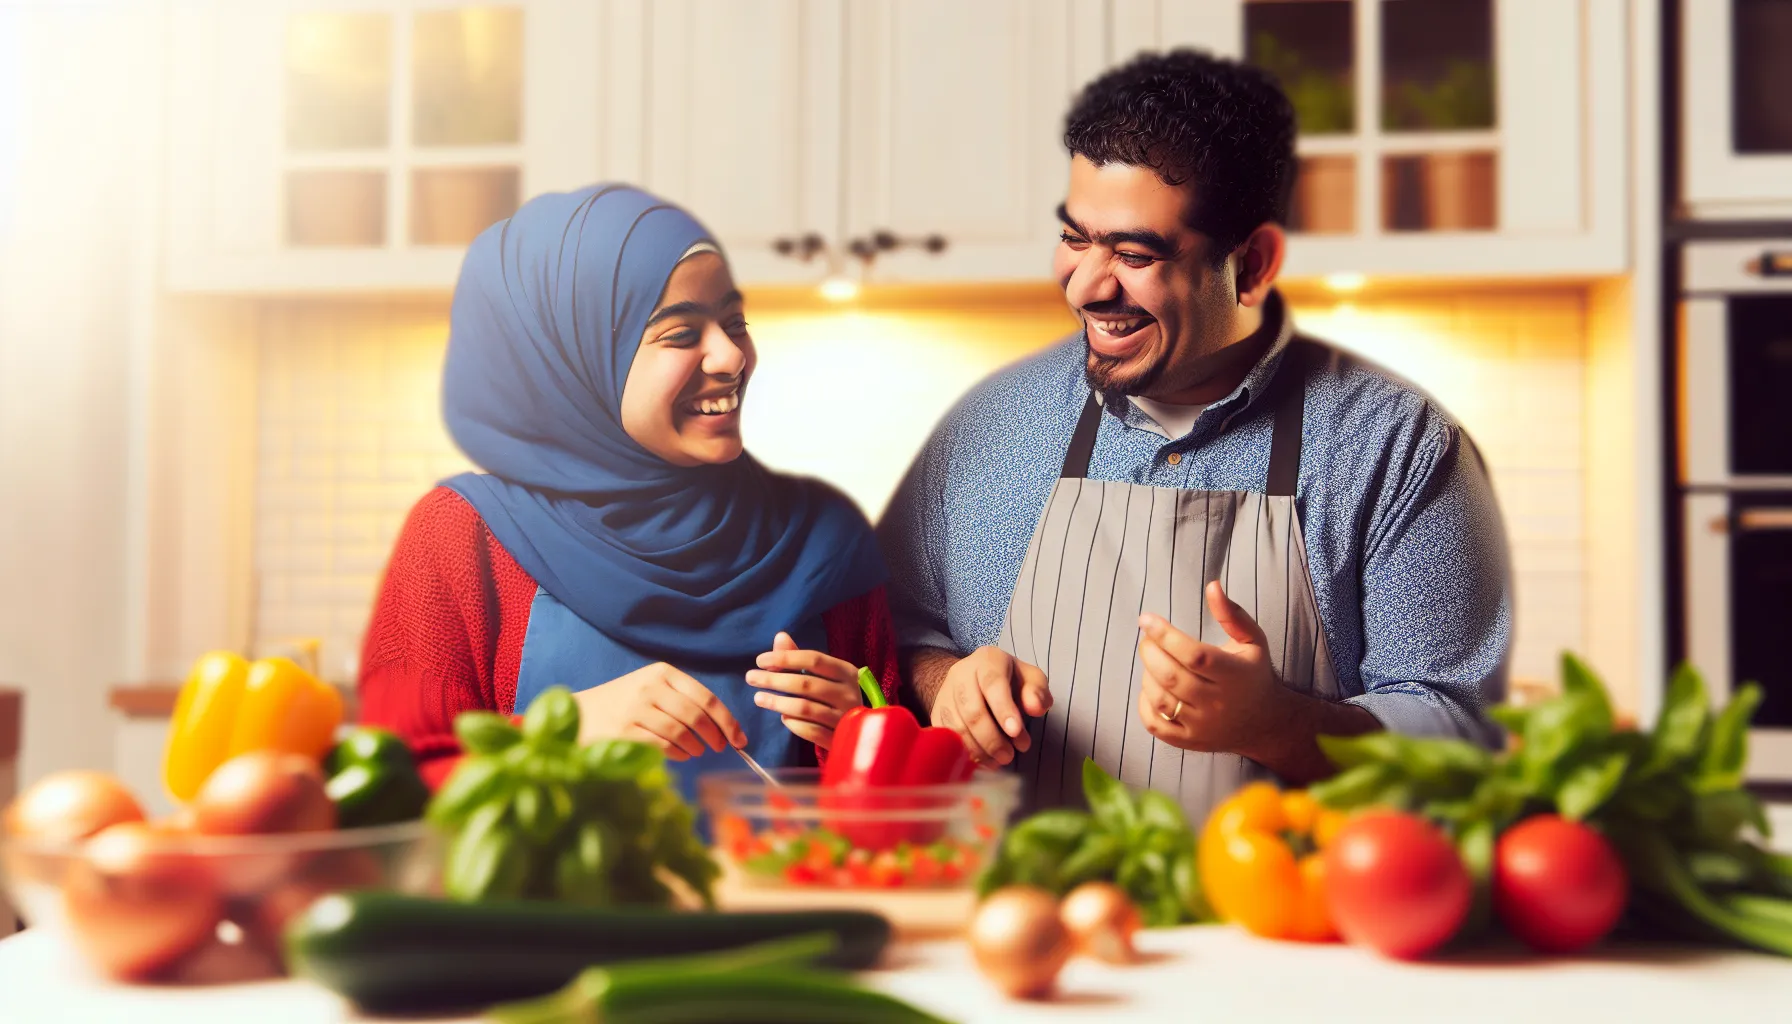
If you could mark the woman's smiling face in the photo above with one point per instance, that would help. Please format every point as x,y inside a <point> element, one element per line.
<point>682,398</point>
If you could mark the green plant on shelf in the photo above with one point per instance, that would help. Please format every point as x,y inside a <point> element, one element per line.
<point>1462,98</point>
<point>1324,103</point>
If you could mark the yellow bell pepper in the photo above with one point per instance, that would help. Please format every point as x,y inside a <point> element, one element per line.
<point>229,706</point>
<point>1261,864</point>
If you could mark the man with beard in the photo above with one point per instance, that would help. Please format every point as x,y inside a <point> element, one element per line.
<point>1187,541</point>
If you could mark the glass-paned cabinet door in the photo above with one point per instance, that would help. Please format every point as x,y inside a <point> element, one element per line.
<point>1737,132</point>
<point>1395,104</point>
<point>1310,47</point>
<point>403,124</point>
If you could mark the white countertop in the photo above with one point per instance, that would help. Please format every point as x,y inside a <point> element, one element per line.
<point>1212,973</point>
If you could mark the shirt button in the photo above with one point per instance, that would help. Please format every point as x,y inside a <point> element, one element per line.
<point>1174,458</point>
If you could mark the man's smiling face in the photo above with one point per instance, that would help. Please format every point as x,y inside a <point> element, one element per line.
<point>1141,279</point>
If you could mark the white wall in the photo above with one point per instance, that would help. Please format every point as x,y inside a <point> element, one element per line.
<point>350,426</point>
<point>77,121</point>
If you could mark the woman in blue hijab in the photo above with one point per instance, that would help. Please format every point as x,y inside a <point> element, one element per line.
<point>620,541</point>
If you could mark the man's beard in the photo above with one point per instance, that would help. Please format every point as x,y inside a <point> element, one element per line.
<point>1108,375</point>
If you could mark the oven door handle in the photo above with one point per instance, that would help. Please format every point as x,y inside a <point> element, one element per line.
<point>1754,520</point>
<point>1771,263</point>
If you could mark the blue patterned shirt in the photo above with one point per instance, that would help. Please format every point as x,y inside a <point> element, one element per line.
<point>1404,541</point>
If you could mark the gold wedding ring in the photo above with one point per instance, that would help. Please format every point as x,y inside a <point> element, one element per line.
<point>1171,717</point>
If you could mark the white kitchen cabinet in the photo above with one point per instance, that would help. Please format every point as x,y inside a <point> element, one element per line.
<point>954,127</point>
<point>741,118</point>
<point>1403,173</point>
<point>1736,123</point>
<point>357,145</point>
<point>779,119</point>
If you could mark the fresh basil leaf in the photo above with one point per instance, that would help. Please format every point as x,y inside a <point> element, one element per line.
<point>1556,729</point>
<point>1726,753</point>
<point>486,861</point>
<point>1653,800</point>
<point>553,717</point>
<point>621,760</point>
<point>1681,724</point>
<point>1440,757</point>
<point>1357,787</point>
<point>1158,811</point>
<point>999,873</point>
<point>1349,752</point>
<point>1058,829</point>
<point>1454,812</point>
<point>1476,846</point>
<point>1185,874</point>
<point>1109,800</point>
<point>485,732</point>
<point>1095,858</point>
<point>581,872</point>
<point>1500,797</point>
<point>1719,817</point>
<point>1589,785</point>
<point>1475,843</point>
<point>1581,684</point>
<point>1718,867</point>
<point>474,782</point>
<point>1510,717</point>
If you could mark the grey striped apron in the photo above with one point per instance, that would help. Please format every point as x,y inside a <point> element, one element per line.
<point>1106,551</point>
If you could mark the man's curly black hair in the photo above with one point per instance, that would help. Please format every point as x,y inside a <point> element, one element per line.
<point>1191,117</point>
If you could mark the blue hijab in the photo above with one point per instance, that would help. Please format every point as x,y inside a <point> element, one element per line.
<point>685,564</point>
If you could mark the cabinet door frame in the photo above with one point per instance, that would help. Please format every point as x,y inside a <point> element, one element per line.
<point>228,158</point>
<point>1718,182</point>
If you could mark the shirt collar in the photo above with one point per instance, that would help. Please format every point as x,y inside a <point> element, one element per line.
<point>1241,398</point>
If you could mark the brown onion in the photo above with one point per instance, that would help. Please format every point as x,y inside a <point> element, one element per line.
<point>1019,942</point>
<point>71,805</point>
<point>263,791</point>
<point>136,903</point>
<point>1101,921</point>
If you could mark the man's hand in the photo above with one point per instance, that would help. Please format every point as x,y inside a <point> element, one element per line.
<point>658,704</point>
<point>821,689</point>
<point>1201,696</point>
<point>983,698</point>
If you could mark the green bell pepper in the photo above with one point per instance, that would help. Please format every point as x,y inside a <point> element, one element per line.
<point>373,780</point>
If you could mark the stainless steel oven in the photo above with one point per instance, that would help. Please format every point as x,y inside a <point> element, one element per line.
<point>1736,479</point>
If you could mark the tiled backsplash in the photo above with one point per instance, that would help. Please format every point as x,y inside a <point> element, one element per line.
<point>351,434</point>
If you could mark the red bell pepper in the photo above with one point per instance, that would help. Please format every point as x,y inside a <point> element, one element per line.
<point>879,746</point>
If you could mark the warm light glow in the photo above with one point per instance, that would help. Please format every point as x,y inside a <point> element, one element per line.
<point>1346,282</point>
<point>839,289</point>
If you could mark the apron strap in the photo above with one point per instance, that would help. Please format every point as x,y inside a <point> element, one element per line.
<point>1082,441</point>
<point>1287,392</point>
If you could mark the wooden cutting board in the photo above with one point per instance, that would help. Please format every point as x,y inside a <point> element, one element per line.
<point>914,913</point>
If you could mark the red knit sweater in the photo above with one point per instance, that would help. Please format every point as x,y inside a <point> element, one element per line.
<point>448,627</point>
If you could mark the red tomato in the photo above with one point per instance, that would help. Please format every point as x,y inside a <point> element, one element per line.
<point>924,870</point>
<point>1557,884</point>
<point>886,871</point>
<point>1395,884</point>
<point>800,874</point>
<point>818,858</point>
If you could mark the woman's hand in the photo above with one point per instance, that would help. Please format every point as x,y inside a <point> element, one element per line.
<point>659,704</point>
<point>821,689</point>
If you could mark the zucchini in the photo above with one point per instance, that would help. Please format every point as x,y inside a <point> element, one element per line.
<point>389,952</point>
